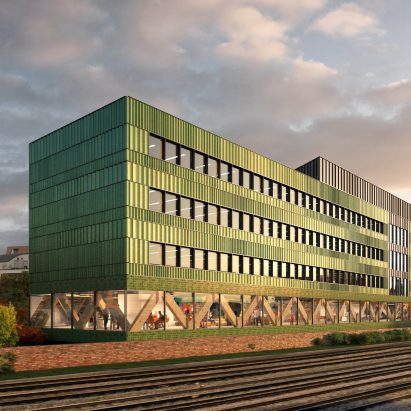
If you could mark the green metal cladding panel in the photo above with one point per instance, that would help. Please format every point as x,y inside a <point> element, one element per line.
<point>90,225</point>
<point>77,204</point>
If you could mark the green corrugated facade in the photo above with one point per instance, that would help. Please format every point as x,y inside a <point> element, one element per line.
<point>90,224</point>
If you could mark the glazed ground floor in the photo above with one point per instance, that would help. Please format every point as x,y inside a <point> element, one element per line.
<point>145,311</point>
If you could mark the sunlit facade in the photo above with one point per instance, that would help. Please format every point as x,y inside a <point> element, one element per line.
<point>143,224</point>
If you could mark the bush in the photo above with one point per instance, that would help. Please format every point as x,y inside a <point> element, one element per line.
<point>30,335</point>
<point>7,361</point>
<point>8,326</point>
<point>317,341</point>
<point>364,338</point>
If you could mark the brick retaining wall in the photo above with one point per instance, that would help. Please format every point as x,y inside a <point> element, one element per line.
<point>71,355</point>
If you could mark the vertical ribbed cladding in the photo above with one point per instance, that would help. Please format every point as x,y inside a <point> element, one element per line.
<point>77,204</point>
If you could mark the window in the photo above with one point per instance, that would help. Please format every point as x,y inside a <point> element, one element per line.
<point>235,175</point>
<point>212,261</point>
<point>235,263</point>
<point>171,255</point>
<point>155,147</point>
<point>235,219</point>
<point>171,204</point>
<point>199,259</point>
<point>225,171</point>
<point>246,179</point>
<point>199,163</point>
<point>171,154</point>
<point>199,211</point>
<point>246,265</point>
<point>212,214</point>
<point>155,200</point>
<point>247,222</point>
<point>185,157</point>
<point>257,225</point>
<point>268,187</point>
<point>257,186</point>
<point>155,253</point>
<point>212,169</point>
<point>185,207</point>
<point>225,217</point>
<point>268,228</point>
<point>224,262</point>
<point>185,257</point>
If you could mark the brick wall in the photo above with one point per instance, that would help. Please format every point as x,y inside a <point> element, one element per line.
<point>71,355</point>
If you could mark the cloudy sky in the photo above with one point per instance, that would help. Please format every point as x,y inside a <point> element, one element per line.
<point>292,79</point>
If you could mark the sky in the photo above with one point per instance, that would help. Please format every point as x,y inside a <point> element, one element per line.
<point>290,79</point>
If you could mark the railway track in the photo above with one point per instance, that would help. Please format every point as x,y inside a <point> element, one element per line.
<point>277,382</point>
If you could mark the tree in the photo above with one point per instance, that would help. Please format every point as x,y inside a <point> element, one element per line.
<point>8,326</point>
<point>14,289</point>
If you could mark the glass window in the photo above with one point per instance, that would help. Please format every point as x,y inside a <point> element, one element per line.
<point>225,171</point>
<point>231,309</point>
<point>62,310</point>
<point>212,169</point>
<point>171,152</point>
<point>185,207</point>
<point>268,187</point>
<point>199,162</point>
<point>292,196</point>
<point>185,157</point>
<point>235,219</point>
<point>212,214</point>
<point>235,175</point>
<point>155,253</point>
<point>257,184</point>
<point>179,311</point>
<point>110,314</point>
<point>83,313</point>
<point>276,190</point>
<point>271,310</point>
<point>319,311</point>
<point>246,265</point>
<point>225,217</point>
<point>207,310</point>
<point>257,266</point>
<point>257,225</point>
<point>145,311</point>
<point>155,200</point>
<point>212,258</point>
<point>199,211</point>
<point>253,310</point>
<point>275,229</point>
<point>289,311</point>
<point>247,222</point>
<point>268,228</point>
<point>155,147</point>
<point>199,259</point>
<point>171,204</point>
<point>171,255</point>
<point>40,310</point>
<point>224,262</point>
<point>344,314</point>
<point>267,268</point>
<point>185,257</point>
<point>246,179</point>
<point>235,263</point>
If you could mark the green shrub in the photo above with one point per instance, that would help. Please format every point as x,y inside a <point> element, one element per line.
<point>338,339</point>
<point>8,326</point>
<point>317,341</point>
<point>7,361</point>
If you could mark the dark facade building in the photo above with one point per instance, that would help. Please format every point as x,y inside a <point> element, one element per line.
<point>143,225</point>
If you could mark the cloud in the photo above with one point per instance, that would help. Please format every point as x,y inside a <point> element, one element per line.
<point>349,20</point>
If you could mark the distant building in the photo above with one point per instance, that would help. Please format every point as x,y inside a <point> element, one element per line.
<point>15,260</point>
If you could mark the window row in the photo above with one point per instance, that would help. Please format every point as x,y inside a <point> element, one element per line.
<point>398,236</point>
<point>150,311</point>
<point>398,286</point>
<point>173,204</point>
<point>176,256</point>
<point>398,261</point>
<point>189,158</point>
